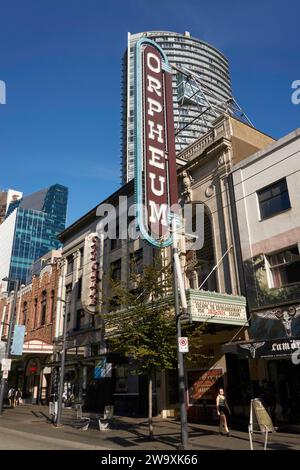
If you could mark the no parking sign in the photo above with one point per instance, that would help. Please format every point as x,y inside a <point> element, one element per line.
<point>183,344</point>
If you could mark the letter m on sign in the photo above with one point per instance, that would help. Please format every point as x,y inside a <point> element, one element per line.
<point>2,92</point>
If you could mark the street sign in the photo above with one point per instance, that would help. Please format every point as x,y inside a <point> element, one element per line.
<point>183,344</point>
<point>5,374</point>
<point>6,364</point>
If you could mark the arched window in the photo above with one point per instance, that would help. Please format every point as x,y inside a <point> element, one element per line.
<point>52,306</point>
<point>206,258</point>
<point>43,307</point>
<point>201,262</point>
<point>35,312</point>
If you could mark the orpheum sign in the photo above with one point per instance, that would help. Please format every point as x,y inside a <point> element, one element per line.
<point>155,159</point>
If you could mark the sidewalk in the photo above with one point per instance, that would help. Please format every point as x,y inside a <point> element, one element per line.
<point>132,433</point>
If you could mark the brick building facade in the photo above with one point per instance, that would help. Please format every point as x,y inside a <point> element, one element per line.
<point>36,309</point>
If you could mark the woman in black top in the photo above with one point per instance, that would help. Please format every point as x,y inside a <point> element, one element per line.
<point>222,410</point>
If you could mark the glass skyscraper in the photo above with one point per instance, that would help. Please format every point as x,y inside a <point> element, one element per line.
<point>30,230</point>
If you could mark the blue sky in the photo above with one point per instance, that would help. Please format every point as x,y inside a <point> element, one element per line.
<point>61,61</point>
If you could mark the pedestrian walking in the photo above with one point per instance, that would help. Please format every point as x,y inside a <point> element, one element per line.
<point>18,397</point>
<point>12,397</point>
<point>223,411</point>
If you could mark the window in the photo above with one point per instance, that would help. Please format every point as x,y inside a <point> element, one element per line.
<point>24,313</point>
<point>273,199</point>
<point>284,267</point>
<point>70,264</point>
<point>79,318</point>
<point>95,349</point>
<point>52,305</point>
<point>43,307</point>
<point>114,304</point>
<point>68,300</point>
<point>35,312</point>
<point>115,242</point>
<point>81,257</point>
<point>116,270</point>
<point>121,379</point>
<point>79,288</point>
<point>136,262</point>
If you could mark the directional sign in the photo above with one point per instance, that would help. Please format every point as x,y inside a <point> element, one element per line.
<point>5,364</point>
<point>183,344</point>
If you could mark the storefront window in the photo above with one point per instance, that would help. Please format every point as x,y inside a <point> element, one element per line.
<point>121,379</point>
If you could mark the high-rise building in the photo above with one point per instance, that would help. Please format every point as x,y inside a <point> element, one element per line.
<point>6,197</point>
<point>30,230</point>
<point>190,56</point>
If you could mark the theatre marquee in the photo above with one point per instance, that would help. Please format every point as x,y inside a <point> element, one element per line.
<point>214,307</point>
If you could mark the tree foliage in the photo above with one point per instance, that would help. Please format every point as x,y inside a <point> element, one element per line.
<point>142,327</point>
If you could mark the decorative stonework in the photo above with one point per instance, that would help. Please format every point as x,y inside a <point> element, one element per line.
<point>187,181</point>
<point>210,190</point>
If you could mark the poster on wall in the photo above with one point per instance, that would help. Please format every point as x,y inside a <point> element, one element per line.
<point>203,385</point>
<point>280,322</point>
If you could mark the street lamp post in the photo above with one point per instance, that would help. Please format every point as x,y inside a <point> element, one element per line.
<point>178,316</point>
<point>62,368</point>
<point>9,336</point>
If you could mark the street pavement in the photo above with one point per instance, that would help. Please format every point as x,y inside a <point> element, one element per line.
<point>29,427</point>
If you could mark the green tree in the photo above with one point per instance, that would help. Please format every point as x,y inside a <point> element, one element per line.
<point>142,326</point>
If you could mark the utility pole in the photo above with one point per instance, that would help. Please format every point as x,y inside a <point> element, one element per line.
<point>178,282</point>
<point>62,368</point>
<point>9,337</point>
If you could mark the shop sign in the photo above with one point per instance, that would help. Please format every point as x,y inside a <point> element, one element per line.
<point>281,347</point>
<point>5,364</point>
<point>213,307</point>
<point>261,420</point>
<point>90,274</point>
